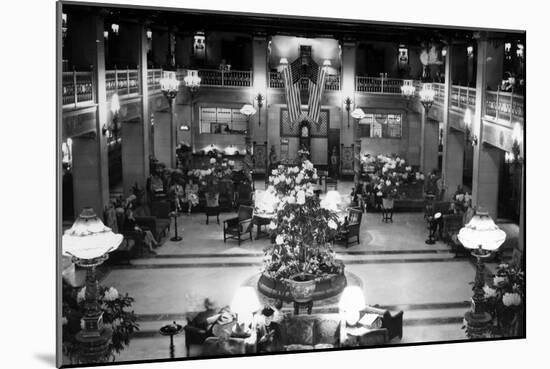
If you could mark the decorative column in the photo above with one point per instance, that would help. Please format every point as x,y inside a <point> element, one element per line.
<point>259,85</point>
<point>135,145</point>
<point>347,132</point>
<point>446,116</point>
<point>90,160</point>
<point>486,162</point>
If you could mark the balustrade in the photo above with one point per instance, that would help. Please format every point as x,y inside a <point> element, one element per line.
<point>122,82</point>
<point>332,82</point>
<point>77,88</point>
<point>501,105</point>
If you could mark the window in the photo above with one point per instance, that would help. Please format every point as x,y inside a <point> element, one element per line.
<point>222,121</point>
<point>385,125</point>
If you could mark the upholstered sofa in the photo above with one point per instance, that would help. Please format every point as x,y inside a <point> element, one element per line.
<point>310,332</point>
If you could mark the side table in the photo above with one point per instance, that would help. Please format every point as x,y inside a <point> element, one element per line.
<point>171,330</point>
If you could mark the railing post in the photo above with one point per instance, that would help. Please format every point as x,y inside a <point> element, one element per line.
<point>92,80</point>
<point>127,81</point>
<point>116,80</point>
<point>222,78</point>
<point>75,92</point>
<point>496,104</point>
<point>511,105</point>
<point>467,97</point>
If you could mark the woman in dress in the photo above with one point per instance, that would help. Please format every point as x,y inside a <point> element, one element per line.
<point>130,225</point>
<point>191,194</point>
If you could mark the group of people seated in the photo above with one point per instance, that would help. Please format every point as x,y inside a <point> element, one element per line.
<point>266,323</point>
<point>120,216</point>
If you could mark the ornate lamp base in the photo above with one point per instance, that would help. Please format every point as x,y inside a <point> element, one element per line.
<point>478,324</point>
<point>94,349</point>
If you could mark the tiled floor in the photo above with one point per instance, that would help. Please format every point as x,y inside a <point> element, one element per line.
<point>396,269</point>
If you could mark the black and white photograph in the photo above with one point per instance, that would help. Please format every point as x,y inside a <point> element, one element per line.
<point>247,185</point>
<point>241,184</point>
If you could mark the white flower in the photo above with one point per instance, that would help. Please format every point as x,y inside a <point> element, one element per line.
<point>291,199</point>
<point>510,299</point>
<point>224,165</point>
<point>408,169</point>
<point>288,181</point>
<point>332,224</point>
<point>213,161</point>
<point>459,197</point>
<point>498,280</point>
<point>388,182</point>
<point>301,198</point>
<point>489,292</point>
<point>64,320</point>
<point>81,296</point>
<point>384,169</point>
<point>279,239</point>
<point>232,163</point>
<point>379,186</point>
<point>379,193</point>
<point>272,225</point>
<point>111,294</point>
<point>421,176</point>
<point>417,176</point>
<point>314,176</point>
<point>274,172</point>
<point>299,178</point>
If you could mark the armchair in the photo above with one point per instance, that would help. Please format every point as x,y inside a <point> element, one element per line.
<point>352,228</point>
<point>194,335</point>
<point>393,322</point>
<point>156,220</point>
<point>238,226</point>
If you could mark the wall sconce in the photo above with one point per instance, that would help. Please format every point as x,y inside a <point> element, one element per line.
<point>115,27</point>
<point>283,61</point>
<point>113,128</point>
<point>64,24</point>
<point>408,89</point>
<point>106,35</point>
<point>347,106</point>
<point>260,101</point>
<point>519,51</point>
<point>467,127</point>
<point>149,34</point>
<point>326,63</point>
<point>444,52</point>
<point>517,137</point>
<point>427,96</point>
<point>470,51</point>
<point>184,127</point>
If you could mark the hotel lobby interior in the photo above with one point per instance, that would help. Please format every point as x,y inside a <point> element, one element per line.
<point>237,185</point>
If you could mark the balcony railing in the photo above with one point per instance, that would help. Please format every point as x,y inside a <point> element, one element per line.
<point>504,106</point>
<point>219,78</point>
<point>377,85</point>
<point>332,82</point>
<point>153,79</point>
<point>123,82</point>
<point>78,88</point>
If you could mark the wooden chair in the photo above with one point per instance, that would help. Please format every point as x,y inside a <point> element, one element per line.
<point>331,184</point>
<point>352,229</point>
<point>244,194</point>
<point>235,228</point>
<point>212,206</point>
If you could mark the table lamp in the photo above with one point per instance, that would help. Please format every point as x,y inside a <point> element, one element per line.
<point>482,236</point>
<point>351,303</point>
<point>244,304</point>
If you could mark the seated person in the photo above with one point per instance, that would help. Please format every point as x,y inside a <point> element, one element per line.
<point>177,194</point>
<point>211,316</point>
<point>191,194</point>
<point>268,331</point>
<point>358,195</point>
<point>131,226</point>
<point>156,184</point>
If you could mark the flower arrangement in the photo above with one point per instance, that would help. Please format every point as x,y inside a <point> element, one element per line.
<point>504,300</point>
<point>210,176</point>
<point>302,227</point>
<point>116,315</point>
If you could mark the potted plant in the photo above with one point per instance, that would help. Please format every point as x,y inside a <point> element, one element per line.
<point>302,255</point>
<point>117,315</point>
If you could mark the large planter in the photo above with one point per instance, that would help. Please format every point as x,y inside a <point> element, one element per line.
<point>302,286</point>
<point>328,286</point>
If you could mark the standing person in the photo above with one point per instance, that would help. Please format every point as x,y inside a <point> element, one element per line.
<point>334,163</point>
